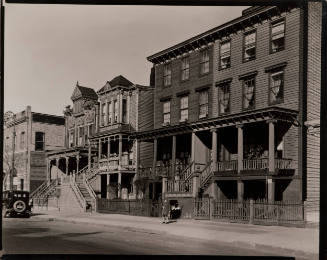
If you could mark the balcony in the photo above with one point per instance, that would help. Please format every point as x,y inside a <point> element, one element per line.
<point>112,163</point>
<point>260,166</point>
<point>226,168</point>
<point>179,186</point>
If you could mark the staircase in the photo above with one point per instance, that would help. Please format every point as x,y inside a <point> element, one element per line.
<point>206,175</point>
<point>87,193</point>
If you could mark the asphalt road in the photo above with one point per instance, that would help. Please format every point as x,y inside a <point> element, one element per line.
<point>39,236</point>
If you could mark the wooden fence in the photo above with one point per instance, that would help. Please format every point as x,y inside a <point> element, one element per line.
<point>144,207</point>
<point>260,211</point>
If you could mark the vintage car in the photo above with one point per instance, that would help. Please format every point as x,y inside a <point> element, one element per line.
<point>16,203</point>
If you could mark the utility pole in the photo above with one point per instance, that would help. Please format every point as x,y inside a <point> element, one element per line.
<point>13,154</point>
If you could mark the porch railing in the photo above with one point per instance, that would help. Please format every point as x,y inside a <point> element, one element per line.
<point>227,166</point>
<point>206,173</point>
<point>256,164</point>
<point>179,186</point>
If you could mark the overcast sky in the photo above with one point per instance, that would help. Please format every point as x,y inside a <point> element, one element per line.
<point>49,47</point>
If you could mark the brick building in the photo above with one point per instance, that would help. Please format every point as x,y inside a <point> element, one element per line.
<point>231,107</point>
<point>30,135</point>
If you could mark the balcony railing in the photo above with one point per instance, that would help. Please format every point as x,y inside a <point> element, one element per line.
<point>227,166</point>
<point>256,164</point>
<point>263,163</point>
<point>283,163</point>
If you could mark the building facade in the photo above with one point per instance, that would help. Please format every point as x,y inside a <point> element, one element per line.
<point>230,107</point>
<point>27,137</point>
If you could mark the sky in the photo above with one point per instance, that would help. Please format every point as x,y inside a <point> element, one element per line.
<point>48,48</point>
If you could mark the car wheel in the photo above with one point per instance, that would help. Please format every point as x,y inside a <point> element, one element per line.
<point>19,206</point>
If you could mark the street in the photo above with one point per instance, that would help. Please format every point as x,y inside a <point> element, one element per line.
<point>40,236</point>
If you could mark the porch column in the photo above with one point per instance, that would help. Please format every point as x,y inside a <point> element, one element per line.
<point>77,164</point>
<point>214,190</point>
<point>173,155</point>
<point>57,166</point>
<point>137,155</point>
<point>164,186</point>
<point>89,155</point>
<point>108,185</point>
<point>99,152</point>
<point>120,149</point>
<point>193,147</point>
<point>176,183</point>
<point>108,150</point>
<point>271,146</point>
<point>153,189</point>
<point>240,190</point>
<point>214,149</point>
<point>48,170</point>
<point>239,148</point>
<point>119,185</point>
<point>67,164</point>
<point>271,190</point>
<point>155,150</point>
<point>196,185</point>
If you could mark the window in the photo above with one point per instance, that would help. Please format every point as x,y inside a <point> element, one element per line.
<point>225,55</point>
<point>185,68</point>
<point>248,92</point>
<point>203,104</point>
<point>124,110</point>
<point>103,113</point>
<point>22,140</point>
<point>166,112</point>
<point>80,135</point>
<point>85,134</point>
<point>224,98</point>
<point>90,129</point>
<point>110,112</point>
<point>71,138</point>
<point>277,36</point>
<point>39,141</point>
<point>249,46</point>
<point>115,111</point>
<point>276,87</point>
<point>204,64</point>
<point>184,108</point>
<point>167,74</point>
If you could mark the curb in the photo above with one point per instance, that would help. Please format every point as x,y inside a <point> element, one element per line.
<point>261,248</point>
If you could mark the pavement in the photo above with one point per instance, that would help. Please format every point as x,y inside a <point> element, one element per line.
<point>283,241</point>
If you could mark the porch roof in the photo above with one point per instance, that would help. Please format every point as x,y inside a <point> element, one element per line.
<point>259,115</point>
<point>67,152</point>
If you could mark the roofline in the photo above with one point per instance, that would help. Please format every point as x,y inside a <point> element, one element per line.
<point>47,115</point>
<point>212,31</point>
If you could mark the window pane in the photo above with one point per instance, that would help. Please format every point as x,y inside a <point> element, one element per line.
<point>278,28</point>
<point>250,38</point>
<point>225,47</point>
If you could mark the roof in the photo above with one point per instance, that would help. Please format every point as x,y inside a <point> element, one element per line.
<point>84,92</point>
<point>116,81</point>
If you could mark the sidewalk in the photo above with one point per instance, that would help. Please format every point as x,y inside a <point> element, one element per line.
<point>286,241</point>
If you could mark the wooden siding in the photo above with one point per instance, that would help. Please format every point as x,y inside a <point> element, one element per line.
<point>263,59</point>
<point>145,110</point>
<point>195,80</point>
<point>146,154</point>
<point>313,102</point>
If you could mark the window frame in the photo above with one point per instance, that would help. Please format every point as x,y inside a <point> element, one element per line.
<point>184,69</point>
<point>280,70</point>
<point>169,75</point>
<point>272,23</point>
<point>166,113</point>
<point>103,114</point>
<point>203,62</point>
<point>181,109</point>
<point>204,104</point>
<point>115,112</point>
<point>43,141</point>
<point>109,112</point>
<point>22,140</point>
<point>230,54</point>
<point>244,45</point>
<point>250,77</point>
<point>220,86</point>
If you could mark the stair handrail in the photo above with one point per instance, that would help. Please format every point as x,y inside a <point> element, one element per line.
<point>187,172</point>
<point>38,189</point>
<point>49,189</point>
<point>78,194</point>
<point>90,191</point>
<point>206,173</point>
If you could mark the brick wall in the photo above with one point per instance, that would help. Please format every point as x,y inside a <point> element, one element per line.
<point>313,102</point>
